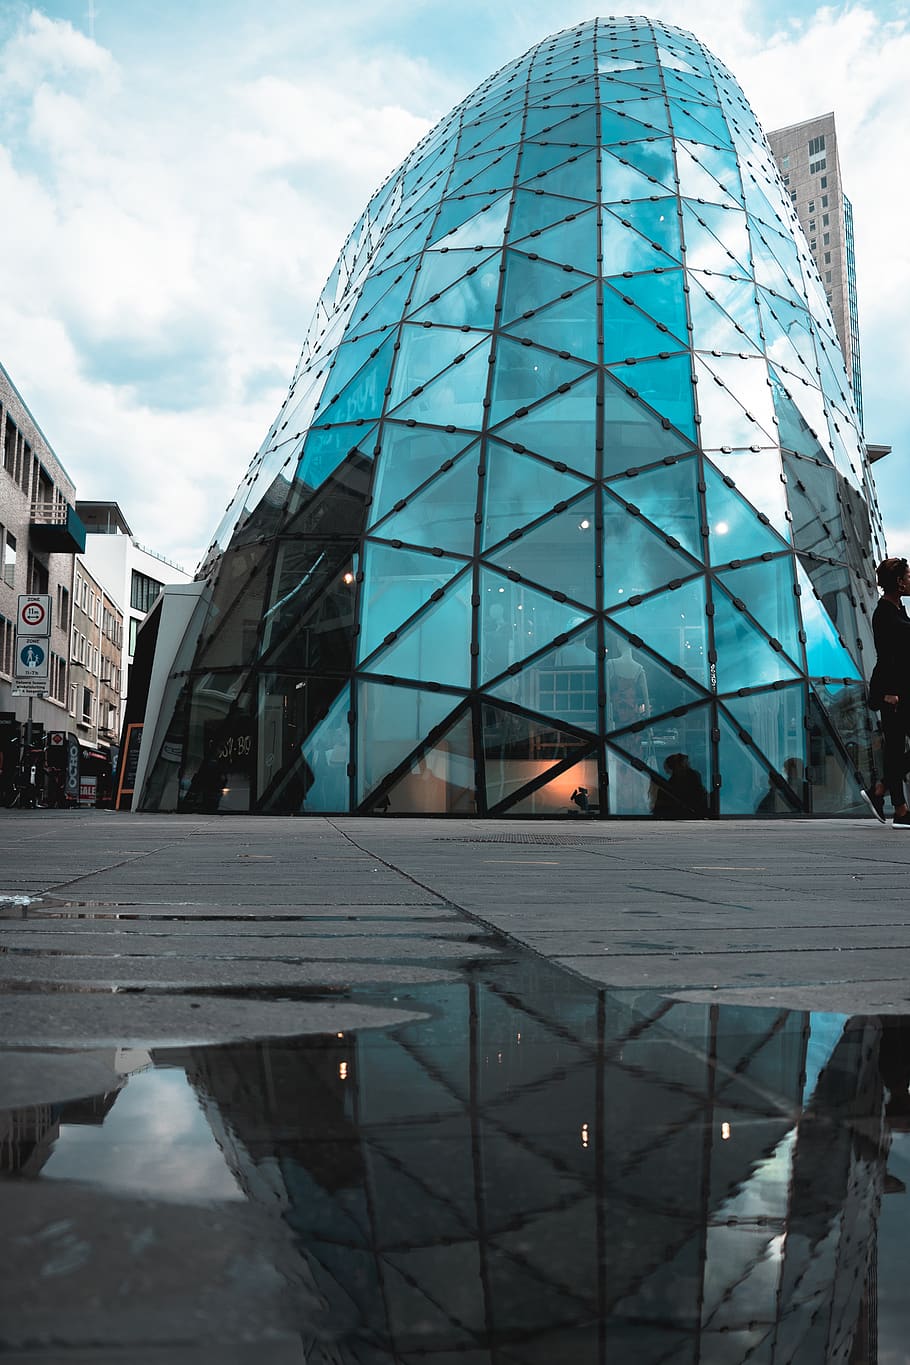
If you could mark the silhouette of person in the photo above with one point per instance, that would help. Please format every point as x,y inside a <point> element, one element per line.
<point>684,796</point>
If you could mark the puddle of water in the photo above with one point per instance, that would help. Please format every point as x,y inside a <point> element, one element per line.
<point>540,1171</point>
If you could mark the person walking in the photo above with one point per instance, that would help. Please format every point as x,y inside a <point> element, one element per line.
<point>889,688</point>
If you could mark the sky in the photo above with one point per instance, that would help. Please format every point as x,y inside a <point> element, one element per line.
<point>177,178</point>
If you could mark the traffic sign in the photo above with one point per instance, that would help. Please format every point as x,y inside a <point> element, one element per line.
<point>34,614</point>
<point>32,659</point>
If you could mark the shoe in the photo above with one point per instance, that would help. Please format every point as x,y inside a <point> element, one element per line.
<point>901,821</point>
<point>875,803</point>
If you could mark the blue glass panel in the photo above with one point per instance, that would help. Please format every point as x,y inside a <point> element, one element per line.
<point>528,284</point>
<point>573,128</point>
<point>617,127</point>
<point>737,298</point>
<point>569,325</point>
<point>472,221</point>
<point>555,798</point>
<point>667,496</point>
<point>625,249</point>
<point>733,525</point>
<point>523,374</point>
<point>486,174</point>
<point>559,553</point>
<point>636,559</point>
<point>767,591</point>
<point>632,435</point>
<point>661,295</point>
<point>518,489</point>
<point>442,513</point>
<point>410,455</point>
<point>775,722</point>
<point>724,420</point>
<point>519,750</point>
<point>757,475</point>
<point>628,332</point>
<point>650,109</point>
<point>674,625</point>
<point>700,123</point>
<point>364,396</point>
<point>563,428</point>
<point>834,788</point>
<point>696,180</point>
<point>424,353</point>
<point>712,328</point>
<point>389,288</point>
<point>439,269</point>
<point>826,654</point>
<point>716,237</point>
<point>675,750</point>
<point>326,753</point>
<point>561,684</point>
<point>744,656</point>
<point>577,178</point>
<point>391,723</point>
<point>350,357</point>
<point>624,181</point>
<point>456,397</point>
<point>689,85</point>
<point>396,584</point>
<point>516,621</point>
<point>744,779</point>
<point>442,781</point>
<point>535,210</point>
<point>537,157</point>
<point>658,223</point>
<point>437,646</point>
<point>666,386</point>
<point>572,243</point>
<point>326,447</point>
<point>651,158</point>
<point>637,685</point>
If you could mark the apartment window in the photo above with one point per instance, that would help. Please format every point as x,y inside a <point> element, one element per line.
<point>826,218</point>
<point>793,196</point>
<point>9,446</point>
<point>812,244</point>
<point>63,607</point>
<point>816,145</point>
<point>134,630</point>
<point>87,704</point>
<point>58,678</point>
<point>37,577</point>
<point>144,591</point>
<point>828,279</point>
<point>824,201</point>
<point>827,258</point>
<point>816,166</point>
<point>812,225</point>
<point>824,184</point>
<point>826,239</point>
<point>6,646</point>
<point>9,559</point>
<point>785,162</point>
<point>74,691</point>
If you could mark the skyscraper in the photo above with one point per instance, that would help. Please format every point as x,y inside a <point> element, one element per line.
<point>567,506</point>
<point>806,154</point>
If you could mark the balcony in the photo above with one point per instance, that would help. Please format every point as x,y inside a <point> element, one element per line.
<point>54,528</point>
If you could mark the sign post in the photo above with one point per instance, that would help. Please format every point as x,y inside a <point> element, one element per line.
<point>33,654</point>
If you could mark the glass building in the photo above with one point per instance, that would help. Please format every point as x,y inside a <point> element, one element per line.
<point>567,509</point>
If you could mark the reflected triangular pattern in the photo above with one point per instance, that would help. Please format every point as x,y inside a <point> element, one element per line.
<point>661,295</point>
<point>521,749</point>
<point>675,626</point>
<point>562,428</point>
<point>466,299</point>
<point>826,655</point>
<point>633,436</point>
<point>716,237</point>
<point>712,328</point>
<point>410,456</point>
<point>569,325</point>
<point>441,514</point>
<point>766,589</point>
<point>515,622</point>
<point>404,717</point>
<point>455,397</point>
<point>518,490</point>
<point>625,181</point>
<point>574,178</point>
<point>561,549</point>
<point>628,332</point>
<point>483,228</point>
<point>535,211</point>
<point>795,433</point>
<point>524,374</point>
<point>656,222</point>
<point>744,778</point>
<point>651,158</point>
<point>666,386</point>
<point>636,559</point>
<point>734,529</point>
<point>745,657</point>
<point>529,282</point>
<point>425,354</point>
<point>574,242</point>
<point>697,182</point>
<point>441,781</point>
<point>437,646</point>
<point>326,448</point>
<point>401,582</point>
<point>363,397</point>
<point>637,684</point>
<point>667,496</point>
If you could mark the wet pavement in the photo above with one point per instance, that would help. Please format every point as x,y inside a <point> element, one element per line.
<point>371,1091</point>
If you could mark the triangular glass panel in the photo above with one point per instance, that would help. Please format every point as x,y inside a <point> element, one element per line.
<point>572,243</point>
<point>563,428</point>
<point>522,749</point>
<point>577,178</point>
<point>397,584</point>
<point>725,419</point>
<point>651,158</point>
<point>835,787</point>
<point>632,435</point>
<point>666,386</point>
<point>712,328</point>
<point>662,769</point>
<point>794,430</point>
<point>534,211</point>
<point>515,622</point>
<point>656,221</point>
<point>455,398</point>
<point>443,269</point>
<point>437,646</point>
<point>757,476</point>
<point>646,108</point>
<point>350,357</point>
<point>674,60</point>
<point>560,553</point>
<point>524,374</point>
<point>624,181</point>
<point>818,525</point>
<point>519,489</point>
<point>624,249</point>
<point>766,590</point>
<point>485,227</point>
<point>559,124</point>
<point>737,298</point>
<point>568,325</point>
<point>571,791</point>
<point>441,781</point>
<point>529,284</point>
<point>628,332</point>
<point>826,654</point>
<point>774,721</point>
<point>744,778</point>
<point>716,236</point>
<point>629,787</point>
<point>699,123</point>
<point>636,559</point>
<point>561,684</point>
<point>703,175</point>
<point>660,294</point>
<point>744,656</point>
<point>617,127</point>
<point>325,755</point>
<point>668,497</point>
<point>538,158</point>
<point>442,513</point>
<point>410,456</point>
<point>364,395</point>
<point>424,353</point>
<point>391,723</point>
<point>637,685</point>
<point>326,448</point>
<point>734,528</point>
<point>674,625</point>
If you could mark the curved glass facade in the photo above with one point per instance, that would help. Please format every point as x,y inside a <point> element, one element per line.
<point>567,508</point>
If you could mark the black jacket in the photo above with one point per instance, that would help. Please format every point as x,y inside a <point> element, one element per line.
<point>891,675</point>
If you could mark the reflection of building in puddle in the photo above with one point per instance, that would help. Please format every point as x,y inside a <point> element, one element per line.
<point>558,1173</point>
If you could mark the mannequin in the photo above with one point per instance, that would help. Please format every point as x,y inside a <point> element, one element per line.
<point>627,690</point>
